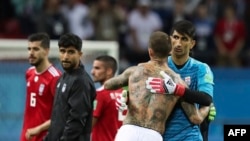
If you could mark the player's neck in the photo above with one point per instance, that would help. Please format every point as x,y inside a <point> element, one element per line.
<point>179,60</point>
<point>43,66</point>
<point>158,61</point>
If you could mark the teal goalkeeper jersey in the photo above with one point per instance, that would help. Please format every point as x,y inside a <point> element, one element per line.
<point>198,76</point>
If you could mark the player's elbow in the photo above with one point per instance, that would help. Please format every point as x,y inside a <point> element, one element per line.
<point>195,119</point>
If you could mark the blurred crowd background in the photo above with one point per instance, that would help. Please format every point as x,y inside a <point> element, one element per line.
<point>222,40</point>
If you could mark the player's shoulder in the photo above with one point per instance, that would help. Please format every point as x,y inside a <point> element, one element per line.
<point>130,69</point>
<point>198,63</point>
<point>31,70</point>
<point>201,66</point>
<point>55,72</point>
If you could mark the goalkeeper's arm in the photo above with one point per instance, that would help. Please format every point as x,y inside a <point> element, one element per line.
<point>198,97</point>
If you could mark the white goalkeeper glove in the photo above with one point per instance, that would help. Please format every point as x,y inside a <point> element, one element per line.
<point>164,86</point>
<point>121,101</point>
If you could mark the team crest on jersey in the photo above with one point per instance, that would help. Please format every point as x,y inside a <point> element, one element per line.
<point>41,89</point>
<point>36,78</point>
<point>187,80</point>
<point>64,87</point>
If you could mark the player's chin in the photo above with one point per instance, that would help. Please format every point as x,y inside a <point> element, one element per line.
<point>95,79</point>
<point>33,63</point>
<point>67,66</point>
<point>32,60</point>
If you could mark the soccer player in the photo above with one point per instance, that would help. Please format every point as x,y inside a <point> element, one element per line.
<point>41,81</point>
<point>147,112</point>
<point>199,78</point>
<point>106,118</point>
<point>75,92</point>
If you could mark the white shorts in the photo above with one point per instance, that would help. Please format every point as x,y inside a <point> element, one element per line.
<point>137,133</point>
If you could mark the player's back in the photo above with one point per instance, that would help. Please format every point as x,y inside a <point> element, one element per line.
<point>144,108</point>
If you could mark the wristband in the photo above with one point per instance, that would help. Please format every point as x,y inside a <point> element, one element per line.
<point>180,90</point>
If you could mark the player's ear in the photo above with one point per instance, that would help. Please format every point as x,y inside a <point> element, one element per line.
<point>47,51</point>
<point>109,72</point>
<point>150,52</point>
<point>80,53</point>
<point>193,42</point>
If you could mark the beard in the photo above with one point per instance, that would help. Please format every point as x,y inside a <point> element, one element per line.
<point>36,63</point>
<point>68,66</point>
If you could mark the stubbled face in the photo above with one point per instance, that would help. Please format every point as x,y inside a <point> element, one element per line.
<point>181,44</point>
<point>99,72</point>
<point>69,57</point>
<point>37,53</point>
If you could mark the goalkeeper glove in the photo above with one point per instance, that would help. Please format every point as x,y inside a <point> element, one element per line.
<point>212,112</point>
<point>164,86</point>
<point>121,101</point>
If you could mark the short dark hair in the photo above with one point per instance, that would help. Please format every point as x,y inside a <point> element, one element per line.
<point>109,61</point>
<point>41,36</point>
<point>184,27</point>
<point>160,44</point>
<point>70,39</point>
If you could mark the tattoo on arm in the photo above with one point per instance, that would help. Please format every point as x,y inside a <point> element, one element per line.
<point>120,80</point>
<point>189,108</point>
<point>204,110</point>
<point>195,115</point>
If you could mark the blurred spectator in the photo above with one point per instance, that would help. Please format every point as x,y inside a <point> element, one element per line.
<point>107,20</point>
<point>164,9</point>
<point>204,25</point>
<point>7,10</point>
<point>10,26</point>
<point>212,9</point>
<point>190,6</point>
<point>11,29</point>
<point>229,38</point>
<point>176,13</point>
<point>51,20</point>
<point>142,21</point>
<point>77,16</point>
<point>27,13</point>
<point>238,4</point>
